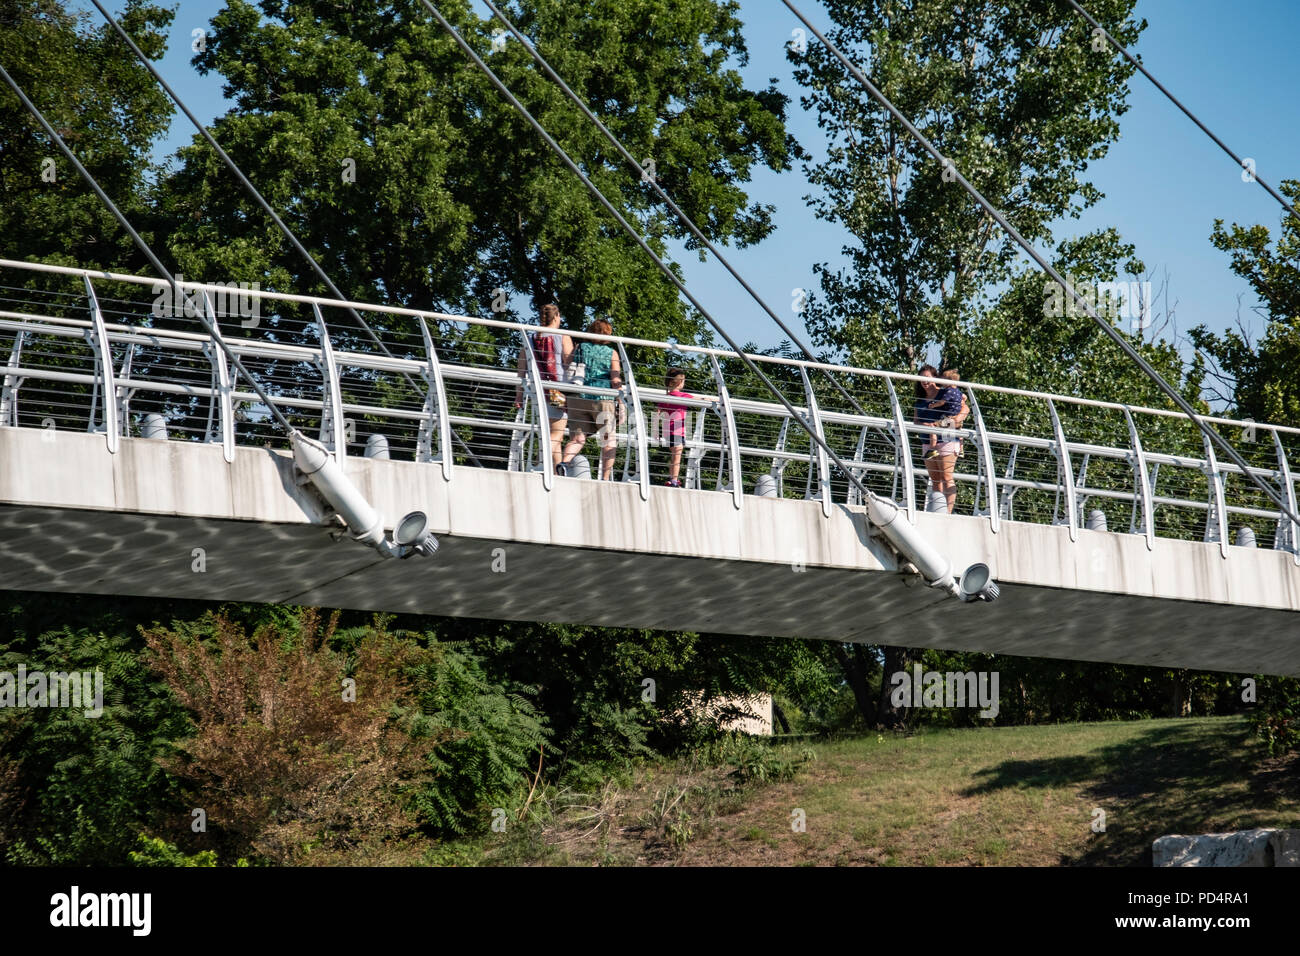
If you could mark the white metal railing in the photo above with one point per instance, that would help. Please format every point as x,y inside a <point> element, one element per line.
<point>79,352</point>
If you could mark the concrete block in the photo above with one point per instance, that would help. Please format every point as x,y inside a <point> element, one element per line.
<point>1258,847</point>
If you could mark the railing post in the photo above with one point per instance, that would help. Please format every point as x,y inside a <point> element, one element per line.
<point>903,452</point>
<point>435,406</point>
<point>222,403</point>
<point>734,471</point>
<point>332,433</point>
<point>986,457</point>
<point>1144,484</point>
<point>104,372</point>
<point>1065,472</point>
<point>1216,521</point>
<point>1080,499</point>
<point>124,394</point>
<point>12,382</point>
<point>854,496</point>
<point>696,453</point>
<point>1007,499</point>
<point>540,403</point>
<point>635,414</point>
<point>819,458</point>
<point>779,463</point>
<point>1285,524</point>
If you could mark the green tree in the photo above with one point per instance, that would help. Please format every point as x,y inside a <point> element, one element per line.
<point>1018,98</point>
<point>415,183</point>
<point>105,106</point>
<point>1013,94</point>
<point>1259,378</point>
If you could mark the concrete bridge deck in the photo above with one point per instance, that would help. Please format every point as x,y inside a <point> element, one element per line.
<point>75,518</point>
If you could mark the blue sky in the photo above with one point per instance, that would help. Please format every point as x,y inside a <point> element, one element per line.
<point>1165,182</point>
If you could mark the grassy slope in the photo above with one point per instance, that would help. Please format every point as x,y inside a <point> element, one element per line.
<point>996,796</point>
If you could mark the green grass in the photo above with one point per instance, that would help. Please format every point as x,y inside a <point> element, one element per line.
<point>1027,795</point>
<point>1010,796</point>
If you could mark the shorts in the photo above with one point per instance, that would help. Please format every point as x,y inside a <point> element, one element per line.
<point>556,412</point>
<point>676,439</point>
<point>590,416</point>
<point>941,448</point>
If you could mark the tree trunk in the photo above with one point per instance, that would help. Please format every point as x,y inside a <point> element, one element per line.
<point>896,659</point>
<point>779,714</point>
<point>855,667</point>
<point>1180,695</point>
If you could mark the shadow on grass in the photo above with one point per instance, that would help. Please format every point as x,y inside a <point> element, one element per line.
<point>1171,778</point>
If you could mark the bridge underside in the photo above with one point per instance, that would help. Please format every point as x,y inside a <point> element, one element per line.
<point>112,552</point>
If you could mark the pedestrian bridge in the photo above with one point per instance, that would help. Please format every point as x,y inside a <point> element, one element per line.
<point>132,462</point>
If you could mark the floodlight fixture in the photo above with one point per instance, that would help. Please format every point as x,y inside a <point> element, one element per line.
<point>412,535</point>
<point>977,584</point>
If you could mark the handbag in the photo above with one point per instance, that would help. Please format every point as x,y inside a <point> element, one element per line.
<point>575,373</point>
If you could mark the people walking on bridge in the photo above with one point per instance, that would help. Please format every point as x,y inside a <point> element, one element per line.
<point>552,350</point>
<point>590,413</point>
<point>943,406</point>
<point>673,417</point>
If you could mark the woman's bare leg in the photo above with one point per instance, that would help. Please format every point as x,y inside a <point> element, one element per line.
<point>935,471</point>
<point>949,482</point>
<point>577,441</point>
<point>557,440</point>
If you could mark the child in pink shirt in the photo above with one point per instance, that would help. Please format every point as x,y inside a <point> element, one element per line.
<point>675,423</point>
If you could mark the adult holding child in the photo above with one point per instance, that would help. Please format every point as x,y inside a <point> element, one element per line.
<point>941,405</point>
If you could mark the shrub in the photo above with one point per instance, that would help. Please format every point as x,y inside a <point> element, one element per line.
<point>490,741</point>
<point>75,790</point>
<point>1276,717</point>
<point>281,759</point>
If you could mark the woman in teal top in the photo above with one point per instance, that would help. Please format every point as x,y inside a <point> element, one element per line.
<point>596,414</point>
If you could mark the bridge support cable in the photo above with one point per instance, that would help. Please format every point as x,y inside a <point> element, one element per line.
<point>636,237</point>
<point>677,211</point>
<point>904,538</point>
<point>1146,367</point>
<point>312,458</point>
<point>266,207</point>
<point>144,248</point>
<point>1099,30</point>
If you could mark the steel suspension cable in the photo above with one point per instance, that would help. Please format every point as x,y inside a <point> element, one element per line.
<point>573,167</point>
<point>261,200</point>
<point>662,194</point>
<point>1014,233</point>
<point>144,247</point>
<point>1186,112</point>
